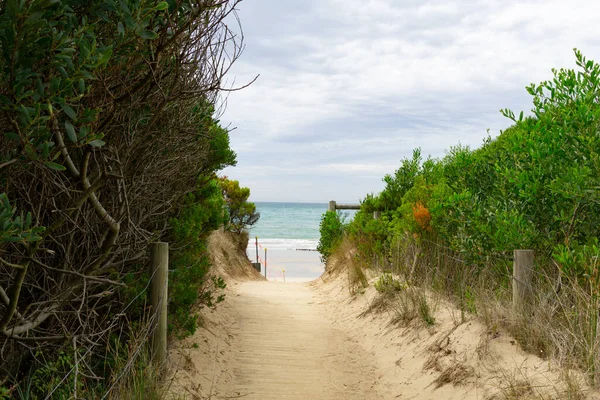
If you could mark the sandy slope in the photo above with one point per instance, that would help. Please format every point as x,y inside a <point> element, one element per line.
<point>308,341</point>
<point>273,340</point>
<point>198,363</point>
<point>456,358</point>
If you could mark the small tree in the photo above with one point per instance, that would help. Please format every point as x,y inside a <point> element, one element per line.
<point>332,231</point>
<point>241,214</point>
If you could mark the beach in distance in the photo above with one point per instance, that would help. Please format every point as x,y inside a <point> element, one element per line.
<point>290,233</point>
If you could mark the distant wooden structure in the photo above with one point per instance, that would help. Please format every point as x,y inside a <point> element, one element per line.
<point>333,206</point>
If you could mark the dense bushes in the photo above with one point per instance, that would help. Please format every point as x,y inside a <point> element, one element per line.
<point>216,203</point>
<point>534,186</point>
<point>331,229</point>
<point>451,224</point>
<point>240,214</point>
<point>201,213</point>
<point>108,141</point>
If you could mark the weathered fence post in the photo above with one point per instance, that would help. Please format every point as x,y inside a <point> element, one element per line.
<point>159,267</point>
<point>256,244</point>
<point>376,214</point>
<point>331,206</point>
<point>522,274</point>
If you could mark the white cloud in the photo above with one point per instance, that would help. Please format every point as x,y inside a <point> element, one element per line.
<point>359,84</point>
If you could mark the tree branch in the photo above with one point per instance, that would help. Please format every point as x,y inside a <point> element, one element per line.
<point>7,163</point>
<point>91,278</point>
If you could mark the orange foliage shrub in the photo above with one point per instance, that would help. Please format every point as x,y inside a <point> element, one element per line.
<point>422,216</point>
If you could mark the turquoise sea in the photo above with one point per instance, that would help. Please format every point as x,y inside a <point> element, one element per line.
<point>290,233</point>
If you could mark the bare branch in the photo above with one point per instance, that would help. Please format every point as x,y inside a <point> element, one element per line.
<point>7,163</point>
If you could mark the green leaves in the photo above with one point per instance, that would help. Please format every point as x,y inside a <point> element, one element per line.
<point>24,115</point>
<point>105,54</point>
<point>70,71</point>
<point>534,186</point>
<point>97,143</point>
<point>62,71</point>
<point>331,231</point>
<point>508,114</point>
<point>16,229</point>
<point>241,213</point>
<point>55,84</point>
<point>69,111</point>
<point>70,132</point>
<point>39,87</point>
<point>12,136</point>
<point>201,213</point>
<point>149,35</point>
<point>54,166</point>
<point>161,6</point>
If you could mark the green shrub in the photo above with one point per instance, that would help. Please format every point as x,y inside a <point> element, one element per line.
<point>190,287</point>
<point>108,142</point>
<point>425,310</point>
<point>331,229</point>
<point>386,284</point>
<point>240,213</point>
<point>534,186</point>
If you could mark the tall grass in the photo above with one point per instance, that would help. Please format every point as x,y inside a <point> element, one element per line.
<point>560,322</point>
<point>345,260</point>
<point>142,381</point>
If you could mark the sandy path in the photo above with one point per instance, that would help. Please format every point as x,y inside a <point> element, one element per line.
<point>274,340</point>
<point>286,347</point>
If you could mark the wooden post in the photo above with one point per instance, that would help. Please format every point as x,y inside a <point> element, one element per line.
<point>331,206</point>
<point>376,214</point>
<point>347,206</point>
<point>256,238</point>
<point>522,274</point>
<point>159,267</point>
<point>265,262</point>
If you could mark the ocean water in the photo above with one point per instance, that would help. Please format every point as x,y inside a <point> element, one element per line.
<point>290,233</point>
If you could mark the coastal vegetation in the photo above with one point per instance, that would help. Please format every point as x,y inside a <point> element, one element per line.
<point>109,141</point>
<point>450,225</point>
<point>331,231</point>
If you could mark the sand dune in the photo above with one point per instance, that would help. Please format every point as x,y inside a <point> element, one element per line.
<point>274,340</point>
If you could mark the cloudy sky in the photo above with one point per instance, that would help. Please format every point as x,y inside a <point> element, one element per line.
<point>348,88</point>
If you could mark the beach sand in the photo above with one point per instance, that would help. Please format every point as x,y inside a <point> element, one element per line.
<point>299,265</point>
<point>275,340</point>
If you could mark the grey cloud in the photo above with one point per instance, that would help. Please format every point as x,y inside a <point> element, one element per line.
<point>349,87</point>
